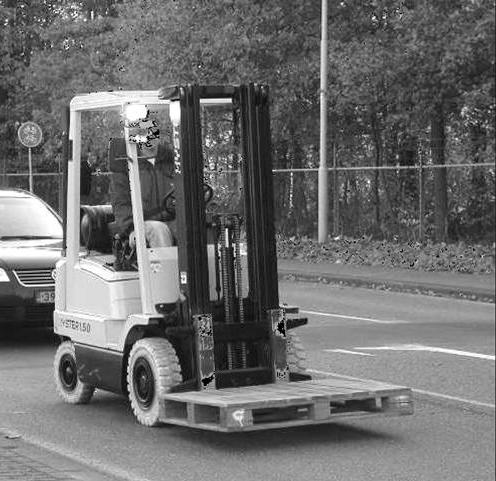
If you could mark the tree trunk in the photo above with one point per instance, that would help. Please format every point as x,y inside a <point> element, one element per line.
<point>407,156</point>
<point>298,205</point>
<point>478,203</point>
<point>378,162</point>
<point>438,141</point>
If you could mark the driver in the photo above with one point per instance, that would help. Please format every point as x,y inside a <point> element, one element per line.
<point>156,167</point>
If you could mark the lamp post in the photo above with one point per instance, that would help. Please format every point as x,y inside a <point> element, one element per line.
<point>323,186</point>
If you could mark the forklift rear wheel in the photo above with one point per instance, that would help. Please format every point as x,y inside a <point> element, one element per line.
<point>68,385</point>
<point>153,369</point>
<point>296,354</point>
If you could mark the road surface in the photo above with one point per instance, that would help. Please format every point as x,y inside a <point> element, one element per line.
<point>443,348</point>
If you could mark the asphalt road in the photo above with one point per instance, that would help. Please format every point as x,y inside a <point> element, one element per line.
<point>443,348</point>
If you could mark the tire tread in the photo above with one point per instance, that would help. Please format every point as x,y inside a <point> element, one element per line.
<point>165,365</point>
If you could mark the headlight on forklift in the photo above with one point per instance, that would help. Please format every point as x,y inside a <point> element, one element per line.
<point>3,276</point>
<point>135,112</point>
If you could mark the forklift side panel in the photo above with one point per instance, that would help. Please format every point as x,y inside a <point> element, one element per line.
<point>100,367</point>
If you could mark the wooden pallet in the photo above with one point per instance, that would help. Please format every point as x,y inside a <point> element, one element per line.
<point>284,404</point>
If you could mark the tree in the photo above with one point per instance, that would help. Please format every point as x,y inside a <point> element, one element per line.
<point>76,54</point>
<point>395,66</point>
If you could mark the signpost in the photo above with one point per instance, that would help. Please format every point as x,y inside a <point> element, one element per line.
<point>30,135</point>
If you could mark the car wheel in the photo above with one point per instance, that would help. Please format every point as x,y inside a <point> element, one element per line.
<point>152,370</point>
<point>69,387</point>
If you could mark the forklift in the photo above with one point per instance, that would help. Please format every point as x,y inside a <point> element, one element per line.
<point>194,334</point>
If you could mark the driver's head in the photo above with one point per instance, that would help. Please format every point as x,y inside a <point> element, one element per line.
<point>149,148</point>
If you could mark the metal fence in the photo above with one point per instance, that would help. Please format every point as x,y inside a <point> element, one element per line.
<point>393,202</point>
<point>389,202</point>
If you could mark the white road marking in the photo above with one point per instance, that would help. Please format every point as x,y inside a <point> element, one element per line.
<point>345,351</point>
<point>419,391</point>
<point>420,347</point>
<point>455,398</point>
<point>358,318</point>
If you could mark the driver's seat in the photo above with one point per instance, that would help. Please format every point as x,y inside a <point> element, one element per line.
<point>117,155</point>
<point>97,227</point>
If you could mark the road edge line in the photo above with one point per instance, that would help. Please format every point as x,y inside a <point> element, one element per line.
<point>415,390</point>
<point>358,318</point>
<point>93,464</point>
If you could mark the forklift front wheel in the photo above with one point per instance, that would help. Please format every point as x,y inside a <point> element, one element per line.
<point>153,369</point>
<point>68,385</point>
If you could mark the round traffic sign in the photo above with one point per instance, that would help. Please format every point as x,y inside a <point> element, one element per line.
<point>30,134</point>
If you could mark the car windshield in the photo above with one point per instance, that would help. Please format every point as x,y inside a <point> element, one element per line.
<point>27,218</point>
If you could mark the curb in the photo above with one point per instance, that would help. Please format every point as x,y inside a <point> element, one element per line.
<point>396,286</point>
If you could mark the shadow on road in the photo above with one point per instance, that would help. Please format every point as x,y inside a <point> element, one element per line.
<point>116,407</point>
<point>291,438</point>
<point>15,336</point>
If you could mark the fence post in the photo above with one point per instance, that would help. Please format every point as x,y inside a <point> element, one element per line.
<point>335,192</point>
<point>4,174</point>
<point>421,199</point>
<point>60,180</point>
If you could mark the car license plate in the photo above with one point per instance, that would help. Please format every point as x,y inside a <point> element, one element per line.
<point>45,297</point>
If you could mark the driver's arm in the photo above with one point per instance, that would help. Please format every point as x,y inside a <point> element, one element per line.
<point>121,202</point>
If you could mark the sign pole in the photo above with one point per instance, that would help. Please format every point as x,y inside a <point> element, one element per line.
<point>30,135</point>
<point>30,163</point>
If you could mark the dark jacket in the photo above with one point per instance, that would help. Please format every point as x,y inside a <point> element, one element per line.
<point>156,181</point>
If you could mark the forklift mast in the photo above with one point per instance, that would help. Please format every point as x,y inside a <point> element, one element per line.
<point>238,341</point>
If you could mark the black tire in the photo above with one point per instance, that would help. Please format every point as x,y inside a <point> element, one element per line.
<point>152,370</point>
<point>67,383</point>
<point>296,354</point>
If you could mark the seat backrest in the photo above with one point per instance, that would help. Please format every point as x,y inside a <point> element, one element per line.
<point>117,156</point>
<point>95,231</point>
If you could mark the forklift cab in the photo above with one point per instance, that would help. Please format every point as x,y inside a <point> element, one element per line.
<point>214,294</point>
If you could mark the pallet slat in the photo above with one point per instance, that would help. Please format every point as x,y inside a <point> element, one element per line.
<point>284,404</point>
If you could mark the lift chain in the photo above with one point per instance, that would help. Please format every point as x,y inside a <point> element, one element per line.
<point>226,288</point>
<point>239,284</point>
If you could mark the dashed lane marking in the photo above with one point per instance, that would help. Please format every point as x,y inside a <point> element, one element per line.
<point>420,347</point>
<point>358,318</point>
<point>345,351</point>
<point>455,398</point>
<point>418,391</point>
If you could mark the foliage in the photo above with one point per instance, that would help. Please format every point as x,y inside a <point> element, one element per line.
<point>459,257</point>
<point>391,64</point>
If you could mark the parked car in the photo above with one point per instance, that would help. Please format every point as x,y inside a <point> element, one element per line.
<point>30,245</point>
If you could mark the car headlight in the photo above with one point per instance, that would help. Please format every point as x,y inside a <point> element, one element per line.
<point>3,276</point>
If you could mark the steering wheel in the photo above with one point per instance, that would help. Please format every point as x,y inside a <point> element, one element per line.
<point>168,204</point>
<point>208,193</point>
<point>169,200</point>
